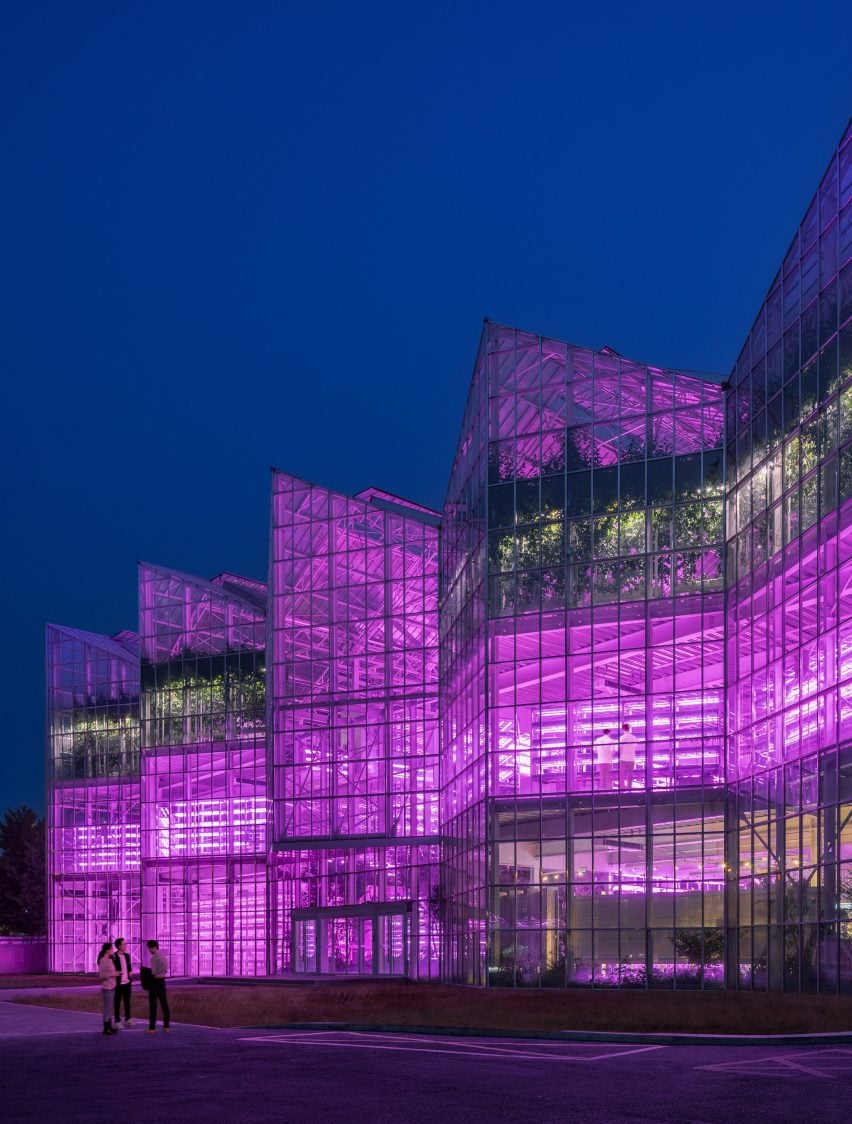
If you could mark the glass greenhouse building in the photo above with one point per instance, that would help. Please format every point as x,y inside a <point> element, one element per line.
<point>589,725</point>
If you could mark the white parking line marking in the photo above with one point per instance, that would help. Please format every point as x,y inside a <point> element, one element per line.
<point>293,1034</point>
<point>470,1043</point>
<point>514,1050</point>
<point>460,1049</point>
<point>783,1065</point>
<point>803,1068</point>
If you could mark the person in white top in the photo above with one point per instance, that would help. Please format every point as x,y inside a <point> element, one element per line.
<point>604,752</point>
<point>626,757</point>
<point>106,977</point>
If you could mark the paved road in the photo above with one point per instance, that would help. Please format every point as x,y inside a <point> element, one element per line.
<point>56,1065</point>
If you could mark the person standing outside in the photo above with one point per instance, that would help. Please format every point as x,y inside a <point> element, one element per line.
<point>604,750</point>
<point>122,984</point>
<point>626,757</point>
<point>107,974</point>
<point>157,990</point>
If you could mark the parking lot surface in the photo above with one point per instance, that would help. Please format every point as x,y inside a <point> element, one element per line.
<point>56,1064</point>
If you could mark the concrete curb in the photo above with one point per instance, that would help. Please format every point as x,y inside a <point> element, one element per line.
<point>830,1038</point>
<point>839,1038</point>
<point>11,995</point>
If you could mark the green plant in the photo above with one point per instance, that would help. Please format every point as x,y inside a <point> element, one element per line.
<point>699,946</point>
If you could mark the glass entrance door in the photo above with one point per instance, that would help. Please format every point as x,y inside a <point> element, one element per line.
<point>393,944</point>
<point>366,941</point>
<point>305,943</point>
<point>347,948</point>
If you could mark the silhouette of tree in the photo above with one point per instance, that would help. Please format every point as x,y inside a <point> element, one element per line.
<point>22,879</point>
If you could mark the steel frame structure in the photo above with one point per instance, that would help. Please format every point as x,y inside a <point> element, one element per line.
<point>588,725</point>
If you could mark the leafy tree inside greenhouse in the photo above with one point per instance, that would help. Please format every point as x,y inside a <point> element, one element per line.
<point>22,889</point>
<point>699,946</point>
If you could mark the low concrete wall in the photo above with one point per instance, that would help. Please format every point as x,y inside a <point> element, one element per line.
<point>23,954</point>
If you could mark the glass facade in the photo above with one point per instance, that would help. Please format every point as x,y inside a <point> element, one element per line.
<point>789,611</point>
<point>205,808</point>
<point>94,805</point>
<point>589,725</point>
<point>583,590</point>
<point>354,731</point>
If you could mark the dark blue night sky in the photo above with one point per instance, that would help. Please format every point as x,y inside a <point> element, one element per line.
<point>243,235</point>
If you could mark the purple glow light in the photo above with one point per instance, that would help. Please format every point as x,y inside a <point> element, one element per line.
<point>82,850</point>
<point>212,827</point>
<point>355,742</point>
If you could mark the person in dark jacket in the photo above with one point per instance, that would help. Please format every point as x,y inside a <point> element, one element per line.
<point>124,967</point>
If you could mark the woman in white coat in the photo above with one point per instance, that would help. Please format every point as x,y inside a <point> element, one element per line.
<point>108,973</point>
